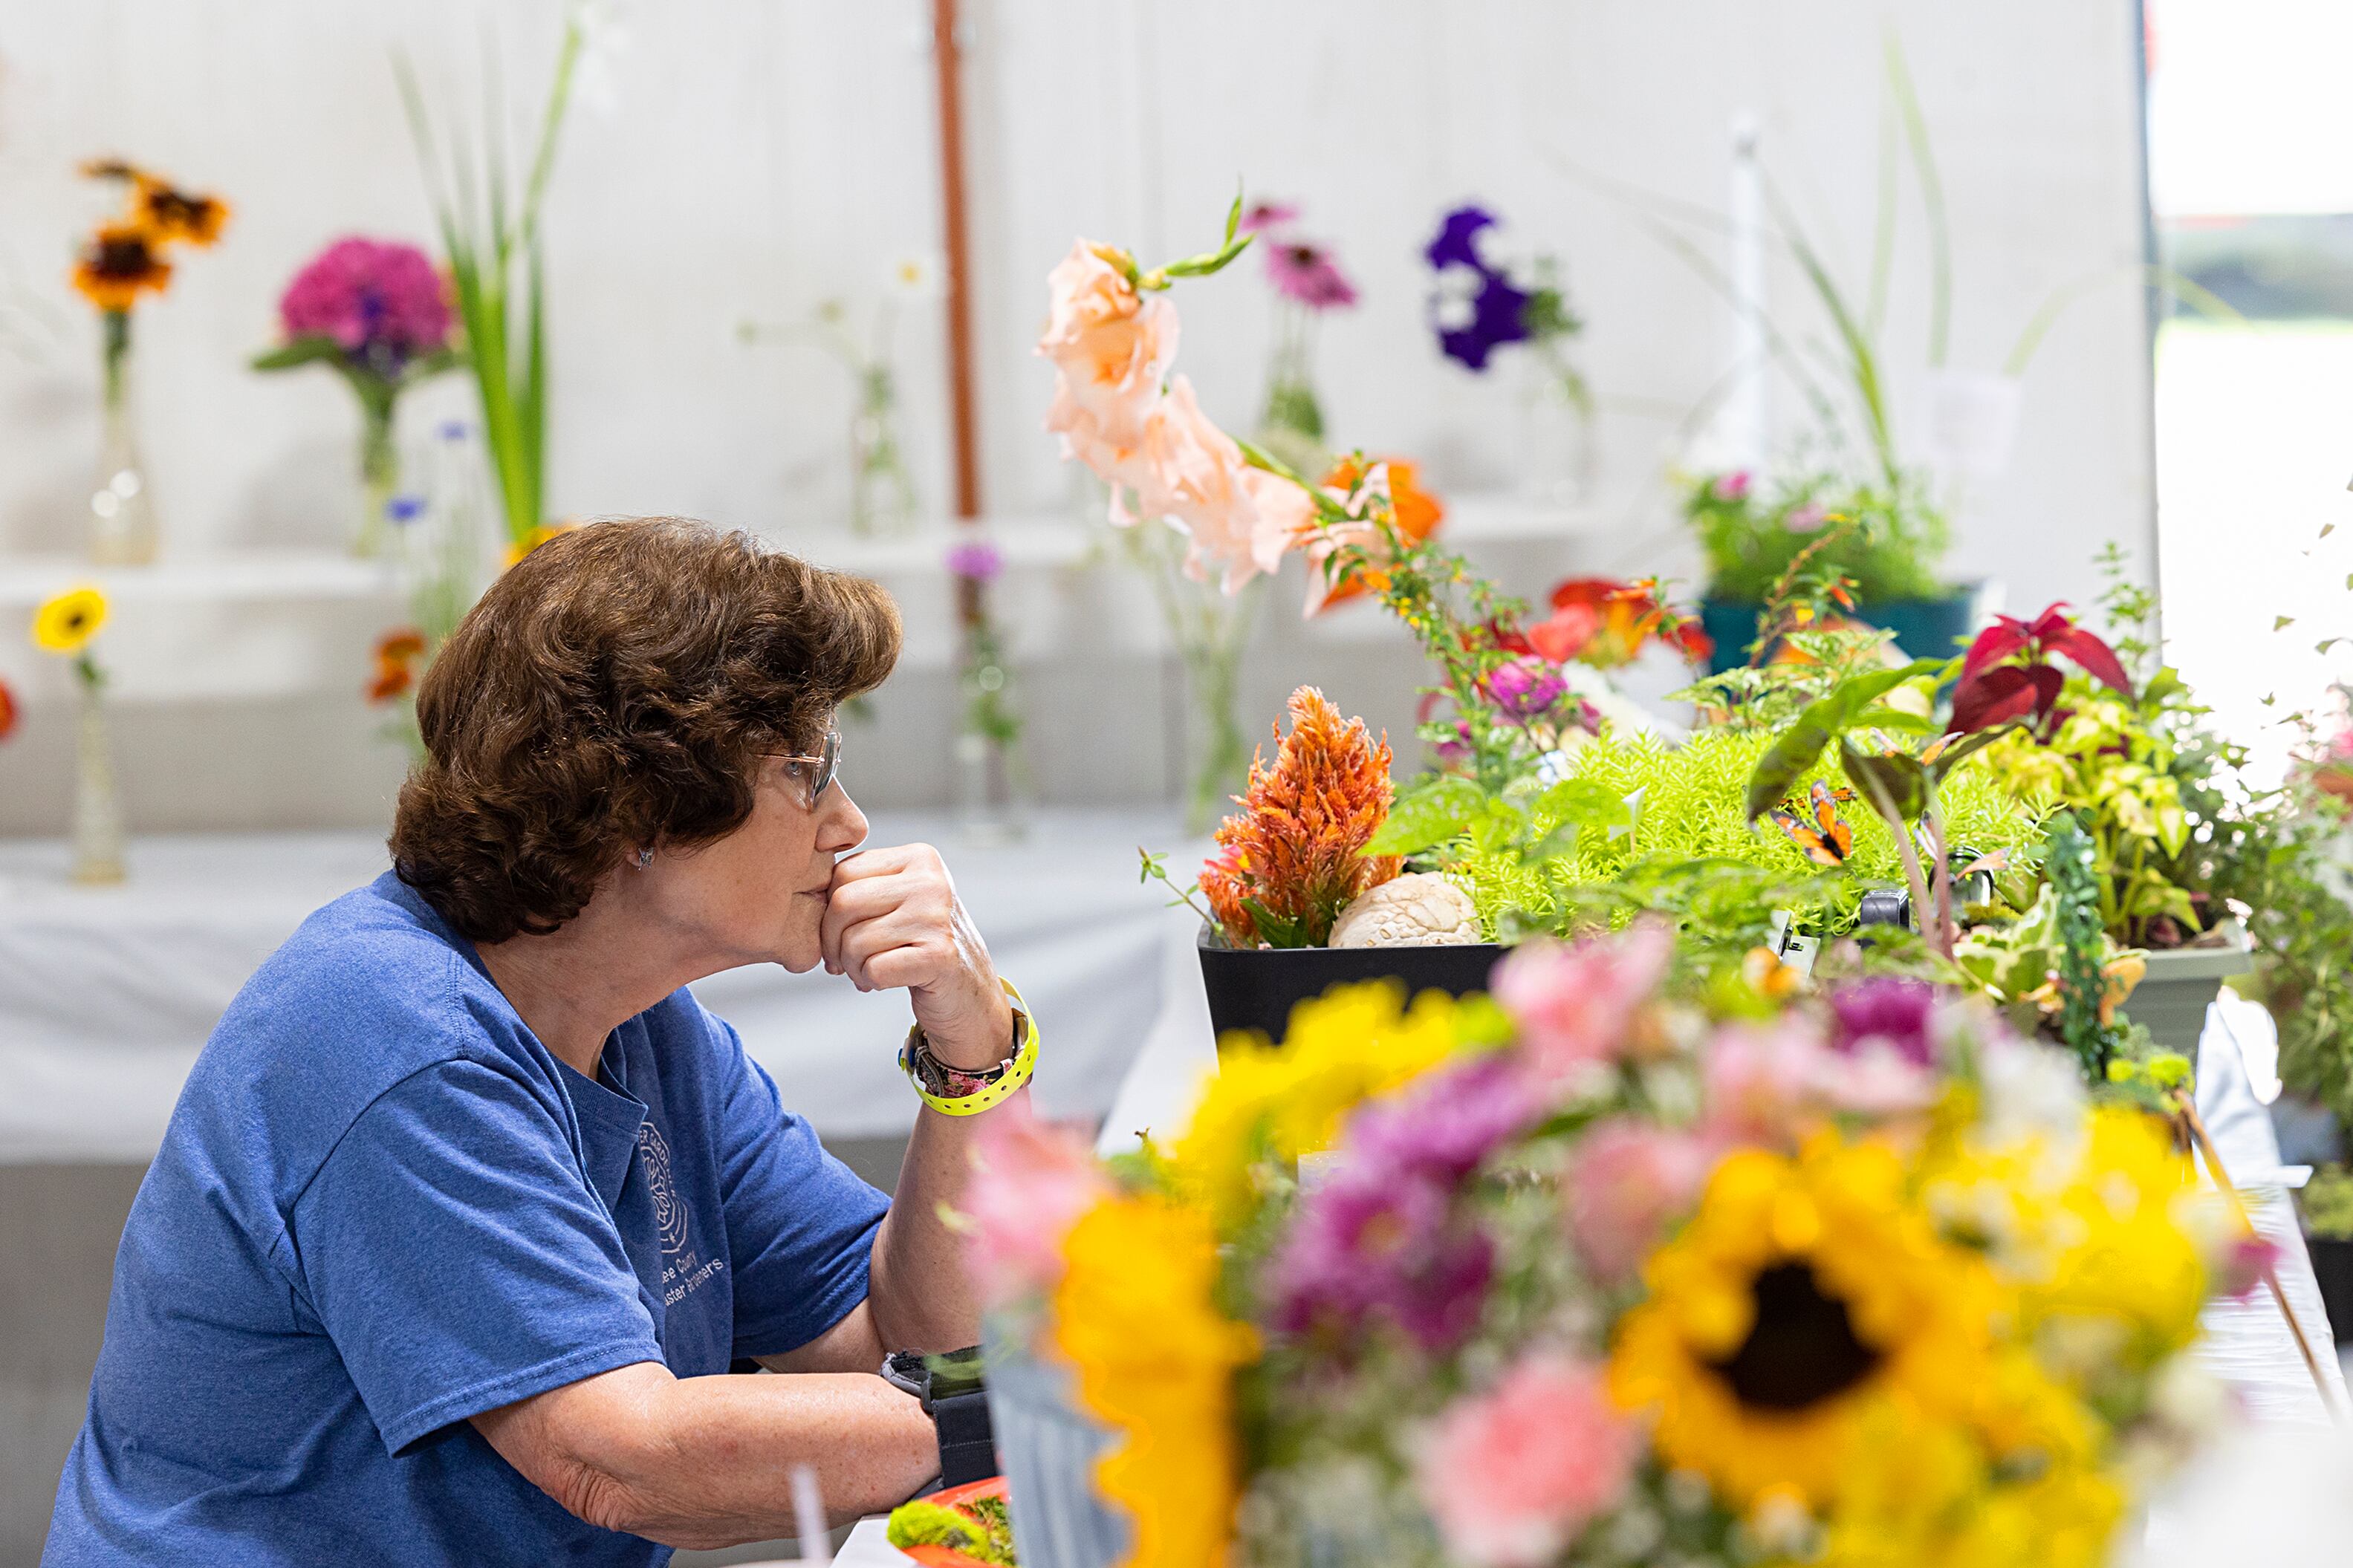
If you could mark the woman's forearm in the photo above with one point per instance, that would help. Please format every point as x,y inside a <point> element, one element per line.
<point>704,1462</point>
<point>920,1293</point>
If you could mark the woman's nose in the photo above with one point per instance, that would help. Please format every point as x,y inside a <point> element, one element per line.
<point>841,826</point>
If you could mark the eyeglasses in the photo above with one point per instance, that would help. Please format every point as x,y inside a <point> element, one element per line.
<point>817,773</point>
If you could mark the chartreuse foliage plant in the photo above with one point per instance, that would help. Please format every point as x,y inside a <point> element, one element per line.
<point>1637,823</point>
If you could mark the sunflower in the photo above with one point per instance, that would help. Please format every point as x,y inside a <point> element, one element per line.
<point>120,263</point>
<point>176,216</point>
<point>66,624</point>
<point>1805,1301</point>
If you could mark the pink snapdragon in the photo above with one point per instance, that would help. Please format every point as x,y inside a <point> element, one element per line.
<point>1036,1180</point>
<point>1511,1476</point>
<point>1575,1006</point>
<point>1627,1180</point>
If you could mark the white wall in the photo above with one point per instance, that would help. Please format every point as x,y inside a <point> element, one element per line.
<point>763,154</point>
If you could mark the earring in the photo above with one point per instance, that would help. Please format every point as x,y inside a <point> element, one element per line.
<point>645,859</point>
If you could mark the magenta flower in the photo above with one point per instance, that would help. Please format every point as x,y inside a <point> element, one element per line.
<point>1575,1006</point>
<point>975,560</point>
<point>1306,273</point>
<point>381,302</point>
<point>1449,1123</point>
<point>1511,1476</point>
<point>1525,687</point>
<point>1371,1242</point>
<point>1886,1012</point>
<point>1267,214</point>
<point>1732,486</point>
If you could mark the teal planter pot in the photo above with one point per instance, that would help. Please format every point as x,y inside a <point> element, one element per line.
<point>1924,629</point>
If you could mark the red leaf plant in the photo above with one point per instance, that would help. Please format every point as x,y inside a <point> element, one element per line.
<point>2008,675</point>
<point>1289,861</point>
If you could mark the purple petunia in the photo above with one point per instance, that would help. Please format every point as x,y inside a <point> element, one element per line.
<point>1497,308</point>
<point>1457,243</point>
<point>1895,1012</point>
<point>381,302</point>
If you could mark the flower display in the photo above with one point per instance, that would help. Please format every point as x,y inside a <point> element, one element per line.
<point>1808,1326</point>
<point>1292,859</point>
<point>127,256</point>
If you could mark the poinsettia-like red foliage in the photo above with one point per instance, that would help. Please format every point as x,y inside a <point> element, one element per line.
<point>2008,675</point>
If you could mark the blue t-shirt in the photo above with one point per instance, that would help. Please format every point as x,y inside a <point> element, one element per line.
<point>382,1208</point>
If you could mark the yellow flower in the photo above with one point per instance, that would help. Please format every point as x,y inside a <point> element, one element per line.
<point>2129,1269</point>
<point>1155,1361</point>
<point>1279,1102</point>
<point>66,624</point>
<point>1804,1302</point>
<point>536,538</point>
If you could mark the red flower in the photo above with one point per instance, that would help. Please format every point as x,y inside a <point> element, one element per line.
<point>7,711</point>
<point>1604,623</point>
<point>399,653</point>
<point>1995,691</point>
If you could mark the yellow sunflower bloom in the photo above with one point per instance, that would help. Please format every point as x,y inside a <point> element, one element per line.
<point>66,624</point>
<point>1804,1301</point>
<point>536,538</point>
<point>1155,1361</point>
<point>1281,1102</point>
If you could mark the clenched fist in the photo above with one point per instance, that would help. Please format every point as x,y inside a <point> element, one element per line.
<point>892,919</point>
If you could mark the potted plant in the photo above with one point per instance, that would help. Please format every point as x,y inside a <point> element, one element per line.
<point>2327,1205</point>
<point>1296,904</point>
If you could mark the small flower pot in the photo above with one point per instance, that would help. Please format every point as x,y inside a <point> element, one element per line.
<point>1924,629</point>
<point>2171,999</point>
<point>2332,1266</point>
<point>1256,988</point>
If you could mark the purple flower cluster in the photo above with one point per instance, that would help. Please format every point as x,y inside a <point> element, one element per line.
<point>975,560</point>
<point>1897,1014</point>
<point>1524,688</point>
<point>1381,1236</point>
<point>381,302</point>
<point>1498,307</point>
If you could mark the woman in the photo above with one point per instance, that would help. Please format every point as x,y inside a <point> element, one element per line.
<point>467,1200</point>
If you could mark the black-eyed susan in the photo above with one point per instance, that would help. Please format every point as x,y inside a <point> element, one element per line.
<point>173,216</point>
<point>121,262</point>
<point>65,623</point>
<point>1807,1302</point>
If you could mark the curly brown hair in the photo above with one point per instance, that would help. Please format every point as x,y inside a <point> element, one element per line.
<point>616,688</point>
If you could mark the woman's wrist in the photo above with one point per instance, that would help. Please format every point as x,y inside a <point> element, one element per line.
<point>978,1050</point>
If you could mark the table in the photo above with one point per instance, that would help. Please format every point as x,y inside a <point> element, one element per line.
<point>106,994</point>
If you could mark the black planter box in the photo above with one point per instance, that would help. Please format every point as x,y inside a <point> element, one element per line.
<point>2332,1265</point>
<point>1255,988</point>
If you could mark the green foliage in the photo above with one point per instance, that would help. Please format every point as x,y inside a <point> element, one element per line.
<point>490,240</point>
<point>2327,1204</point>
<point>920,1524</point>
<point>1691,851</point>
<point>1770,696</point>
<point>1751,538</point>
<point>2075,887</point>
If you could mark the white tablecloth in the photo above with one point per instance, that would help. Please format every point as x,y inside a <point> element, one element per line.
<point>106,994</point>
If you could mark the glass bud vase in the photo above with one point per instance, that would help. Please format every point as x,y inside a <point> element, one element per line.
<point>881,490</point>
<point>97,838</point>
<point>123,530</point>
<point>1557,444</point>
<point>379,482</point>
<point>988,741</point>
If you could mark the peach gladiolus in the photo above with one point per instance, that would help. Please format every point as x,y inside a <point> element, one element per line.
<point>1111,349</point>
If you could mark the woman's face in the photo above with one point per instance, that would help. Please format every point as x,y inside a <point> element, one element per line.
<point>758,895</point>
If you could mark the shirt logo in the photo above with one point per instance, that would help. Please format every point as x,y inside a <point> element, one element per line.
<point>670,1215</point>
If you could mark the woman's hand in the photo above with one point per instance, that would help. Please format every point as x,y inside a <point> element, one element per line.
<point>892,919</point>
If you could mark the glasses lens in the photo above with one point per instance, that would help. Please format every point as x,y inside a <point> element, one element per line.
<point>828,763</point>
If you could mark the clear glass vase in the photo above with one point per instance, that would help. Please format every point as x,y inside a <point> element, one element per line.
<point>122,531</point>
<point>1212,631</point>
<point>1291,425</point>
<point>1557,447</point>
<point>987,756</point>
<point>379,483</point>
<point>881,490</point>
<point>98,835</point>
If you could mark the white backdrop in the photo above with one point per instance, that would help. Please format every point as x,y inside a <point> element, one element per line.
<point>753,156</point>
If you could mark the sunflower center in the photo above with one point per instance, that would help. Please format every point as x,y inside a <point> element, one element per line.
<point>122,257</point>
<point>1801,1349</point>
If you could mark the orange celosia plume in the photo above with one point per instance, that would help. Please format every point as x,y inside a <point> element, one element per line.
<point>1291,853</point>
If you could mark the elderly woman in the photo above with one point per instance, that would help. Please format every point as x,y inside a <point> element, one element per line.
<point>468,1206</point>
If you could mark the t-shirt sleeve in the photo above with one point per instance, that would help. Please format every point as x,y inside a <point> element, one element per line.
<point>800,1225</point>
<point>459,1259</point>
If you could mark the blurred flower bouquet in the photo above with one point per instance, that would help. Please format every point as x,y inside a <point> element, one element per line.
<point>128,256</point>
<point>1617,1273</point>
<point>1480,305</point>
<point>377,312</point>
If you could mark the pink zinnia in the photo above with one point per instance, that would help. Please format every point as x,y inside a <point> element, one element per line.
<point>382,302</point>
<point>1626,1181</point>
<point>1031,1182</point>
<point>1511,1476</point>
<point>1306,272</point>
<point>1575,1006</point>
